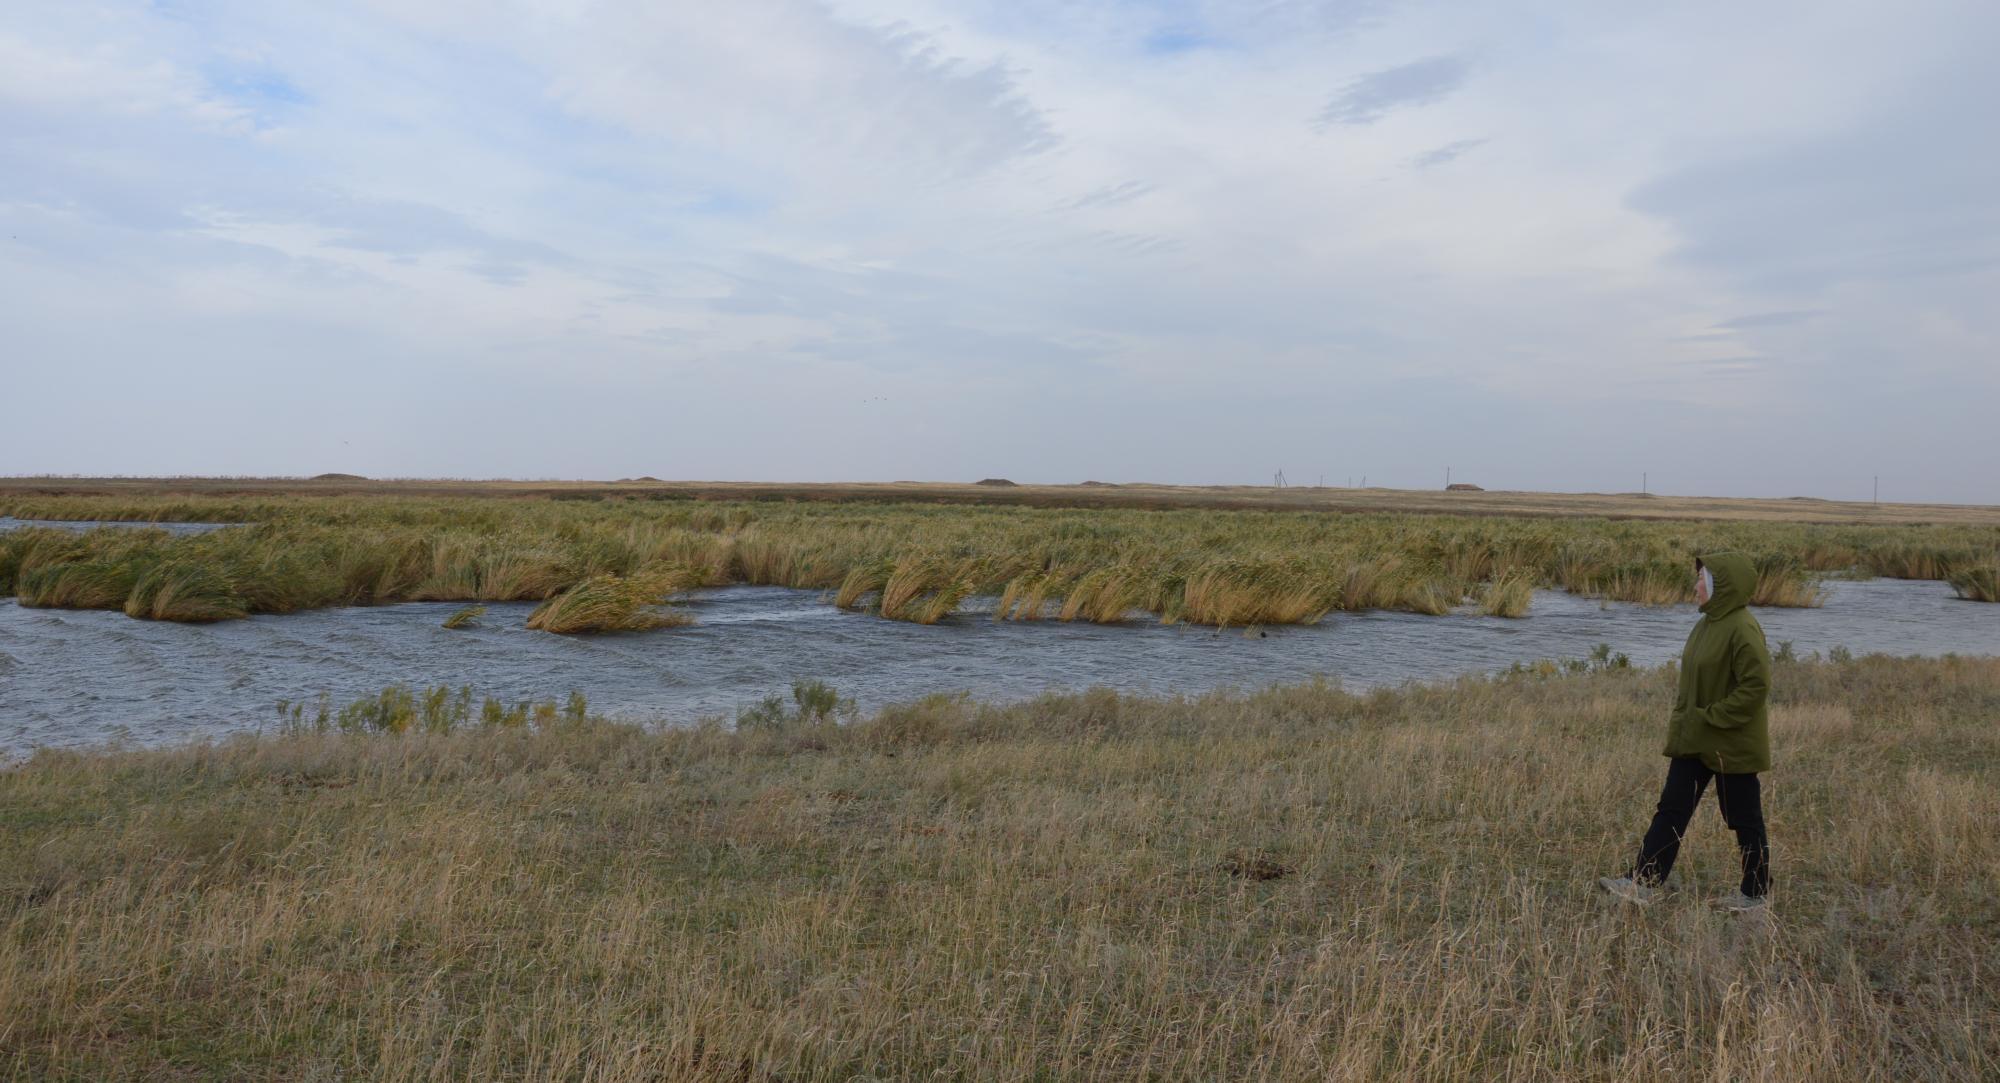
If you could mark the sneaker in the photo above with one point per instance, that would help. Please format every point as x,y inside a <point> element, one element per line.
<point>1628,889</point>
<point>1738,903</point>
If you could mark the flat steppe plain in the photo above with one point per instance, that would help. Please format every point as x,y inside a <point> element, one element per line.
<point>1092,495</point>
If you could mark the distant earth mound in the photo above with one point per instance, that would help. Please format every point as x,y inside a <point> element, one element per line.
<point>338,477</point>
<point>1097,484</point>
<point>1463,487</point>
<point>1001,482</point>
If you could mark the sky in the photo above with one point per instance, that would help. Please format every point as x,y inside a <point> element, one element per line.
<point>1729,249</point>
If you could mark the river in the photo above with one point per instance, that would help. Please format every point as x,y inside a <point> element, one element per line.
<point>71,677</point>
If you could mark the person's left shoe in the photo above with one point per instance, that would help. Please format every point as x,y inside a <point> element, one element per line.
<point>1738,903</point>
<point>1628,889</point>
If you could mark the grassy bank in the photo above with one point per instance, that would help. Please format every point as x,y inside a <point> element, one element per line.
<point>1294,883</point>
<point>609,562</point>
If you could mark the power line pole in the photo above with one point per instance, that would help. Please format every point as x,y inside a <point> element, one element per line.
<point>1877,498</point>
<point>1642,481</point>
<point>1447,477</point>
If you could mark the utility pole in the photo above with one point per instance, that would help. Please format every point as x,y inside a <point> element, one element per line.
<point>1447,477</point>
<point>1642,481</point>
<point>1877,498</point>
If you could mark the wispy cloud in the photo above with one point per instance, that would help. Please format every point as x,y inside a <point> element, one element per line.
<point>1767,319</point>
<point>1377,94</point>
<point>1445,155</point>
<point>1109,196</point>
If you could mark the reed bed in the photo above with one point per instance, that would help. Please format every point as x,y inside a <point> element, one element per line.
<point>921,562</point>
<point>1295,883</point>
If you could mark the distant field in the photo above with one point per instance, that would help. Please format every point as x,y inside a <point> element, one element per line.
<point>1298,883</point>
<point>1296,498</point>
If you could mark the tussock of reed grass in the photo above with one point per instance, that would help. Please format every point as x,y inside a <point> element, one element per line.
<point>466,617</point>
<point>1508,596</point>
<point>180,590</point>
<point>1903,560</point>
<point>1977,582</point>
<point>1370,585</point>
<point>84,584</point>
<point>1783,581</point>
<point>1297,883</point>
<point>1029,596</point>
<point>1432,597</point>
<point>608,603</point>
<point>1104,596</point>
<point>1235,593</point>
<point>861,581</point>
<point>925,587</point>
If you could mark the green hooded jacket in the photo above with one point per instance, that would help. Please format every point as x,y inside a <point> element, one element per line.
<point>1720,713</point>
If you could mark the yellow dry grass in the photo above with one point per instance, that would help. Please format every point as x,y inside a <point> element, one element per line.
<point>1297,883</point>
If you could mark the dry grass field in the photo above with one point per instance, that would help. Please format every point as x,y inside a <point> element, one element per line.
<point>1295,883</point>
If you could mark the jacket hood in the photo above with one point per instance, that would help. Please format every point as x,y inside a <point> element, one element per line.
<point>1735,579</point>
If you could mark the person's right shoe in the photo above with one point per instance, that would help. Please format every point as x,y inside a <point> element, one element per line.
<point>1628,890</point>
<point>1738,903</point>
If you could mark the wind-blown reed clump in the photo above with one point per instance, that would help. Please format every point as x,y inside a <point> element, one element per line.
<point>466,617</point>
<point>1978,582</point>
<point>609,603</point>
<point>1903,560</point>
<point>1781,582</point>
<point>1295,883</point>
<point>182,590</point>
<point>1507,596</point>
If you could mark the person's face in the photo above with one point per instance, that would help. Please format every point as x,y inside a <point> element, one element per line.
<point>1700,588</point>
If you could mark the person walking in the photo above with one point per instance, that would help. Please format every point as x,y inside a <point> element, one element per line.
<point>1718,733</point>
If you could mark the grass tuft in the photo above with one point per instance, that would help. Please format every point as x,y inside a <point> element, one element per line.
<point>1507,596</point>
<point>1783,581</point>
<point>183,590</point>
<point>608,603</point>
<point>1978,582</point>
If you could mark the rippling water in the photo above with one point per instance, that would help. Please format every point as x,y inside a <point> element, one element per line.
<point>78,677</point>
<point>8,522</point>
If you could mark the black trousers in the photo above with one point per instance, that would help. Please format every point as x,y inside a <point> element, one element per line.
<point>1741,798</point>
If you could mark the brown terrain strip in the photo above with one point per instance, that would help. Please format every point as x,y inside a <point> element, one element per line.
<point>1092,495</point>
